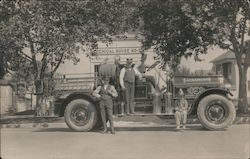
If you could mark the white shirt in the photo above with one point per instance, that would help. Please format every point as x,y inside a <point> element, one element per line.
<point>112,91</point>
<point>122,74</point>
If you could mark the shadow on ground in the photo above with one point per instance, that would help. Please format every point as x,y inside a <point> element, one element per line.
<point>131,129</point>
<point>170,128</point>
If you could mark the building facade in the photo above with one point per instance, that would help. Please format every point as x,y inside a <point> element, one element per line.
<point>123,49</point>
<point>226,65</point>
<point>6,97</point>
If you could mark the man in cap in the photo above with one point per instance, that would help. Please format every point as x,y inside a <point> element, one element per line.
<point>119,109</point>
<point>140,65</point>
<point>181,111</point>
<point>106,92</point>
<point>127,82</point>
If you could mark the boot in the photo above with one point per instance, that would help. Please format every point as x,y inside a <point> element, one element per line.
<point>178,128</point>
<point>105,130</point>
<point>132,109</point>
<point>132,112</point>
<point>112,131</point>
<point>122,109</point>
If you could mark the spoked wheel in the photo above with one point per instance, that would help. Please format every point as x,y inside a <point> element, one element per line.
<point>216,112</point>
<point>80,115</point>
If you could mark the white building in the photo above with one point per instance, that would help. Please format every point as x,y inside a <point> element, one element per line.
<point>6,94</point>
<point>122,48</point>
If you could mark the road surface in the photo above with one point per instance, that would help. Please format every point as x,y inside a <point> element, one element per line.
<point>129,142</point>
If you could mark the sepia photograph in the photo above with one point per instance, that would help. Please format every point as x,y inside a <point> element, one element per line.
<point>124,79</point>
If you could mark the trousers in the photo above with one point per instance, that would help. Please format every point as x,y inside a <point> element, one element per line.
<point>119,109</point>
<point>180,117</point>
<point>129,93</point>
<point>106,109</point>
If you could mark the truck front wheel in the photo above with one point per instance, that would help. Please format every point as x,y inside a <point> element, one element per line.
<point>80,115</point>
<point>216,112</point>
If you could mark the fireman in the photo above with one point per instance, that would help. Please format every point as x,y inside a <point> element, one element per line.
<point>181,111</point>
<point>127,82</point>
<point>106,92</point>
<point>140,65</point>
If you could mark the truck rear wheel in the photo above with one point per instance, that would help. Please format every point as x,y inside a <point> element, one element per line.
<point>216,112</point>
<point>80,115</point>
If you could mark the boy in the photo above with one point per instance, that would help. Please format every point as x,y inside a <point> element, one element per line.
<point>181,111</point>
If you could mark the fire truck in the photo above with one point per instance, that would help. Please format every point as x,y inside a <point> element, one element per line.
<point>208,98</point>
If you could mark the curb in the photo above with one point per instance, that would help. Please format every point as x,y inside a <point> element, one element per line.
<point>46,122</point>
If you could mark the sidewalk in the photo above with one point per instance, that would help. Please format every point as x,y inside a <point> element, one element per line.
<point>30,121</point>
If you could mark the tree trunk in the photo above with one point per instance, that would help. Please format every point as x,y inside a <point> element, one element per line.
<point>2,68</point>
<point>39,98</point>
<point>242,103</point>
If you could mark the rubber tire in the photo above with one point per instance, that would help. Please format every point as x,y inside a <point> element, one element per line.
<point>98,124</point>
<point>212,126</point>
<point>93,116</point>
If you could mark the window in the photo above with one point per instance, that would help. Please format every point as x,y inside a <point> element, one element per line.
<point>96,69</point>
<point>218,69</point>
<point>226,67</point>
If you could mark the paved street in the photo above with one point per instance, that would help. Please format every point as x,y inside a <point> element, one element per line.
<point>129,142</point>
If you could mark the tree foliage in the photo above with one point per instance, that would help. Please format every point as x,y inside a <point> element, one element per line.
<point>188,27</point>
<point>165,26</point>
<point>230,25</point>
<point>53,30</point>
<point>37,36</point>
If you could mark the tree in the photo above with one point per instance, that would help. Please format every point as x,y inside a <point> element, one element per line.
<point>2,71</point>
<point>165,26</point>
<point>230,24</point>
<point>184,28</point>
<point>54,31</point>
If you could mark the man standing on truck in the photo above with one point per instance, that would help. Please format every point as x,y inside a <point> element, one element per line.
<point>119,108</point>
<point>140,65</point>
<point>106,92</point>
<point>181,111</point>
<point>127,82</point>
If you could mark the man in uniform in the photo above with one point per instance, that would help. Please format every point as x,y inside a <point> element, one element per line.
<point>106,92</point>
<point>127,82</point>
<point>140,65</point>
<point>181,111</point>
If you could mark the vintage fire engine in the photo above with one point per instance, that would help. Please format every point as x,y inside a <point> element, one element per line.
<point>207,96</point>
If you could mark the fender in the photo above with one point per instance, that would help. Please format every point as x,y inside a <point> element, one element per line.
<point>207,92</point>
<point>75,95</point>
